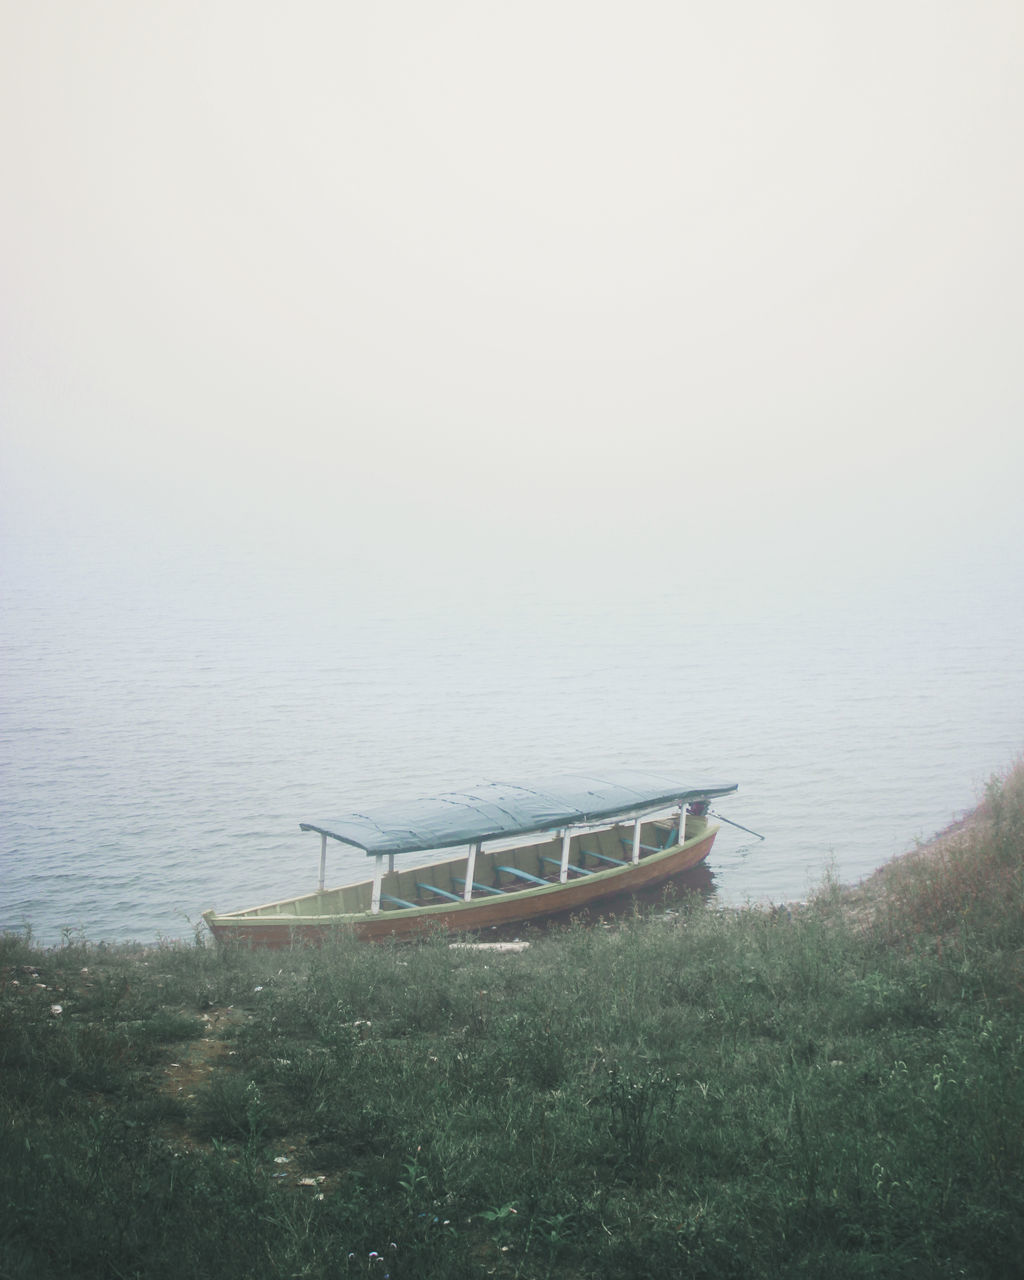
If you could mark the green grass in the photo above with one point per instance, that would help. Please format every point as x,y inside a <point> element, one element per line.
<point>705,1094</point>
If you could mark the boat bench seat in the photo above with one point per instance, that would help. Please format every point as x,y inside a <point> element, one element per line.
<point>645,848</point>
<point>523,875</point>
<point>602,857</point>
<point>557,862</point>
<point>441,893</point>
<point>483,888</point>
<point>398,902</point>
<point>652,848</point>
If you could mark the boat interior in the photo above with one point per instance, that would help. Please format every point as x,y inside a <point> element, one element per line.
<point>496,871</point>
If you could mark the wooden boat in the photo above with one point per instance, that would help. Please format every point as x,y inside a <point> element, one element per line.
<point>519,853</point>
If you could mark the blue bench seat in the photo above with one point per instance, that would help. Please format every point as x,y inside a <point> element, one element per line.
<point>652,848</point>
<point>557,862</point>
<point>398,902</point>
<point>441,893</point>
<point>524,875</point>
<point>482,888</point>
<point>602,857</point>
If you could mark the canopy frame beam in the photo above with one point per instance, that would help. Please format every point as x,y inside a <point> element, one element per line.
<point>474,849</point>
<point>563,870</point>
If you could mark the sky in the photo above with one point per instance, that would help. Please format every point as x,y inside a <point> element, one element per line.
<point>424,291</point>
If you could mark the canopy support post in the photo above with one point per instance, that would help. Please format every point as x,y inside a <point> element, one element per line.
<point>636,840</point>
<point>323,860</point>
<point>474,849</point>
<point>378,876</point>
<point>682,822</point>
<point>563,870</point>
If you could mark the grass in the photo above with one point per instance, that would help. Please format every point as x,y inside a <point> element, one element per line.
<point>833,1090</point>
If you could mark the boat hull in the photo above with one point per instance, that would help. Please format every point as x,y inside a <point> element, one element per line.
<point>275,927</point>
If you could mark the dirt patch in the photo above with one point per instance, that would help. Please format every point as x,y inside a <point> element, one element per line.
<point>196,1064</point>
<point>197,1059</point>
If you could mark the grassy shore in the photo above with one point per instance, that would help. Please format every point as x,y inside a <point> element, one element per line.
<point>835,1090</point>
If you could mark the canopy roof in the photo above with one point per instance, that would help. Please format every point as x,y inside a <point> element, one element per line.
<point>497,810</point>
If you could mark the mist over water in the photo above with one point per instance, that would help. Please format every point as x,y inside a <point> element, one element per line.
<point>398,396</point>
<point>164,734</point>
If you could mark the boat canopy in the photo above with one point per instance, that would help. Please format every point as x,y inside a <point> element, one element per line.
<point>497,810</point>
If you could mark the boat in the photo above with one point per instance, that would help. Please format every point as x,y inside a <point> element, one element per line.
<point>500,854</point>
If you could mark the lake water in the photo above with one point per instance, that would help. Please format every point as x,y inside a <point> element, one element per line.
<point>166,729</point>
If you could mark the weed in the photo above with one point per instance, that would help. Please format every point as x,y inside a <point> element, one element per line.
<point>637,1101</point>
<point>231,1107</point>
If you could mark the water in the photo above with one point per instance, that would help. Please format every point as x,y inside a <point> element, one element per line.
<point>166,728</point>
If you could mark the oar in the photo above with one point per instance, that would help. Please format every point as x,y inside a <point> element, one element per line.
<point>736,824</point>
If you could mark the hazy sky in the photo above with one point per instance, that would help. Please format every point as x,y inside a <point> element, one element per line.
<point>520,284</point>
